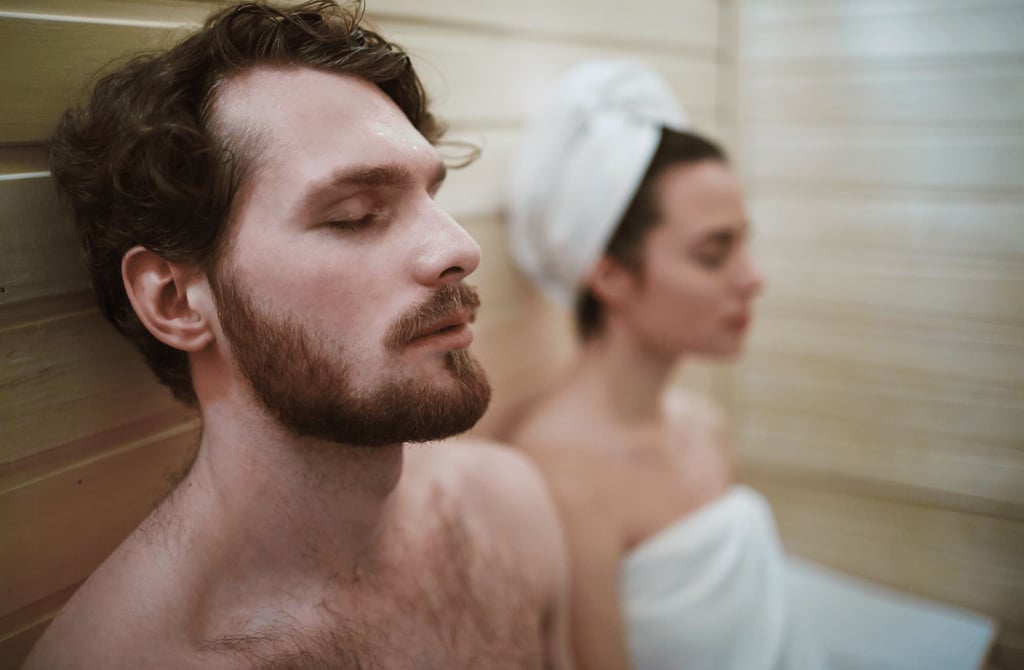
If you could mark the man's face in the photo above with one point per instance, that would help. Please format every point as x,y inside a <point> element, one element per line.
<point>340,288</point>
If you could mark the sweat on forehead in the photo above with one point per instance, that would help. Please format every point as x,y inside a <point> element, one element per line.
<point>252,113</point>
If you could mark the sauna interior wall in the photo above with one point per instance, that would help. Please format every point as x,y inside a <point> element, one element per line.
<point>881,403</point>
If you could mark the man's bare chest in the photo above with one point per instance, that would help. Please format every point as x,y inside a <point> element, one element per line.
<point>452,602</point>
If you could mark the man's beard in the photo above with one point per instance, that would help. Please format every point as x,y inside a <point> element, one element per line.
<point>304,380</point>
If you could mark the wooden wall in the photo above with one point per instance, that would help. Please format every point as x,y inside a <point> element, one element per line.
<point>881,406</point>
<point>87,439</point>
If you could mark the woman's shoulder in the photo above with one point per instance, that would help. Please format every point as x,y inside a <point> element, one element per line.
<point>694,412</point>
<point>554,424</point>
<point>698,430</point>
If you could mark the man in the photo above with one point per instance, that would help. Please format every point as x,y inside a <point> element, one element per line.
<point>257,209</point>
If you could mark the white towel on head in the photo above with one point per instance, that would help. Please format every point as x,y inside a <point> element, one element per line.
<point>581,161</point>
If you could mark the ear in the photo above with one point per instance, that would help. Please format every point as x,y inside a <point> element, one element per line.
<point>171,299</point>
<point>611,282</point>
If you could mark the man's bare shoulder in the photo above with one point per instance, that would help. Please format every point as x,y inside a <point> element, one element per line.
<point>105,622</point>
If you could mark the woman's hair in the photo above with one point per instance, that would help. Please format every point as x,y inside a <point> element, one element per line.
<point>643,214</point>
<point>144,163</point>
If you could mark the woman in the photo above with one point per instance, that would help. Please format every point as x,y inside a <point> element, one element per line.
<point>640,224</point>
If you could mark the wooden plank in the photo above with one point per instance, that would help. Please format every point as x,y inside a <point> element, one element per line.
<point>16,161</point>
<point>963,559</point>
<point>908,157</point>
<point>477,190</point>
<point>829,386</point>
<point>69,362</point>
<point>60,528</point>
<point>986,361</point>
<point>20,630</point>
<point>674,24</point>
<point>770,11</point>
<point>497,79</point>
<point>15,649</point>
<point>44,464</point>
<point>40,247</point>
<point>160,13</point>
<point>884,458</point>
<point>929,32</point>
<point>58,75</point>
<point>969,93</point>
<point>479,78</point>
<point>954,288</point>
<point>685,24</point>
<point>1008,652</point>
<point>934,225</point>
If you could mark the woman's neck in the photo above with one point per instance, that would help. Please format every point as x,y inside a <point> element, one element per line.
<point>627,377</point>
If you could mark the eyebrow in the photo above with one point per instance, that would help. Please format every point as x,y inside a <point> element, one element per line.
<point>388,174</point>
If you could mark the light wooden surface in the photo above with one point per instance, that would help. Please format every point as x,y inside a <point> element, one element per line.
<point>88,439</point>
<point>881,404</point>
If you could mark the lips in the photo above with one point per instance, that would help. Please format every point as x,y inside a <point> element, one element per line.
<point>452,331</point>
<point>450,322</point>
<point>740,322</point>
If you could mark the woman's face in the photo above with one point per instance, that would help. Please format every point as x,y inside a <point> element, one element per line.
<point>697,286</point>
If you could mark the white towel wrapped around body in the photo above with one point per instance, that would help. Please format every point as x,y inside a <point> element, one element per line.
<point>710,593</point>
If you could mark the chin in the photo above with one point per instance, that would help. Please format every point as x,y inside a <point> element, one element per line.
<point>724,352</point>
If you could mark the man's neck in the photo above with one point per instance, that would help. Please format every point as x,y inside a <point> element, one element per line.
<point>281,504</point>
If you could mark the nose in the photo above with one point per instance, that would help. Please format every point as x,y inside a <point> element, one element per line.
<point>751,279</point>
<point>446,253</point>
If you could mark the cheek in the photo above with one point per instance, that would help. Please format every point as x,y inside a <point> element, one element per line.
<point>681,309</point>
<point>687,290</point>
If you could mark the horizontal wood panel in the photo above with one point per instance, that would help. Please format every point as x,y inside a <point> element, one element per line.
<point>768,11</point>
<point>911,283</point>
<point>60,528</point>
<point>20,630</point>
<point>906,464</point>
<point>911,157</point>
<point>680,24</point>
<point>40,247</point>
<point>968,94</point>
<point>963,559</point>
<point>478,189</point>
<point>948,226</point>
<point>73,365</point>
<point>832,386</point>
<point>477,79</point>
<point>15,649</point>
<point>961,30</point>
<point>685,24</point>
<point>58,74</point>
<point>499,79</point>
<point>993,362</point>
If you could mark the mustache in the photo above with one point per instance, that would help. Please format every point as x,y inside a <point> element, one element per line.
<point>445,301</point>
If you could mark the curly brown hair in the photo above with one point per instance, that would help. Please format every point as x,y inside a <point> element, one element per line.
<point>143,163</point>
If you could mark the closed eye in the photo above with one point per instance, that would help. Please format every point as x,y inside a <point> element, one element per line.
<point>354,225</point>
<point>715,250</point>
